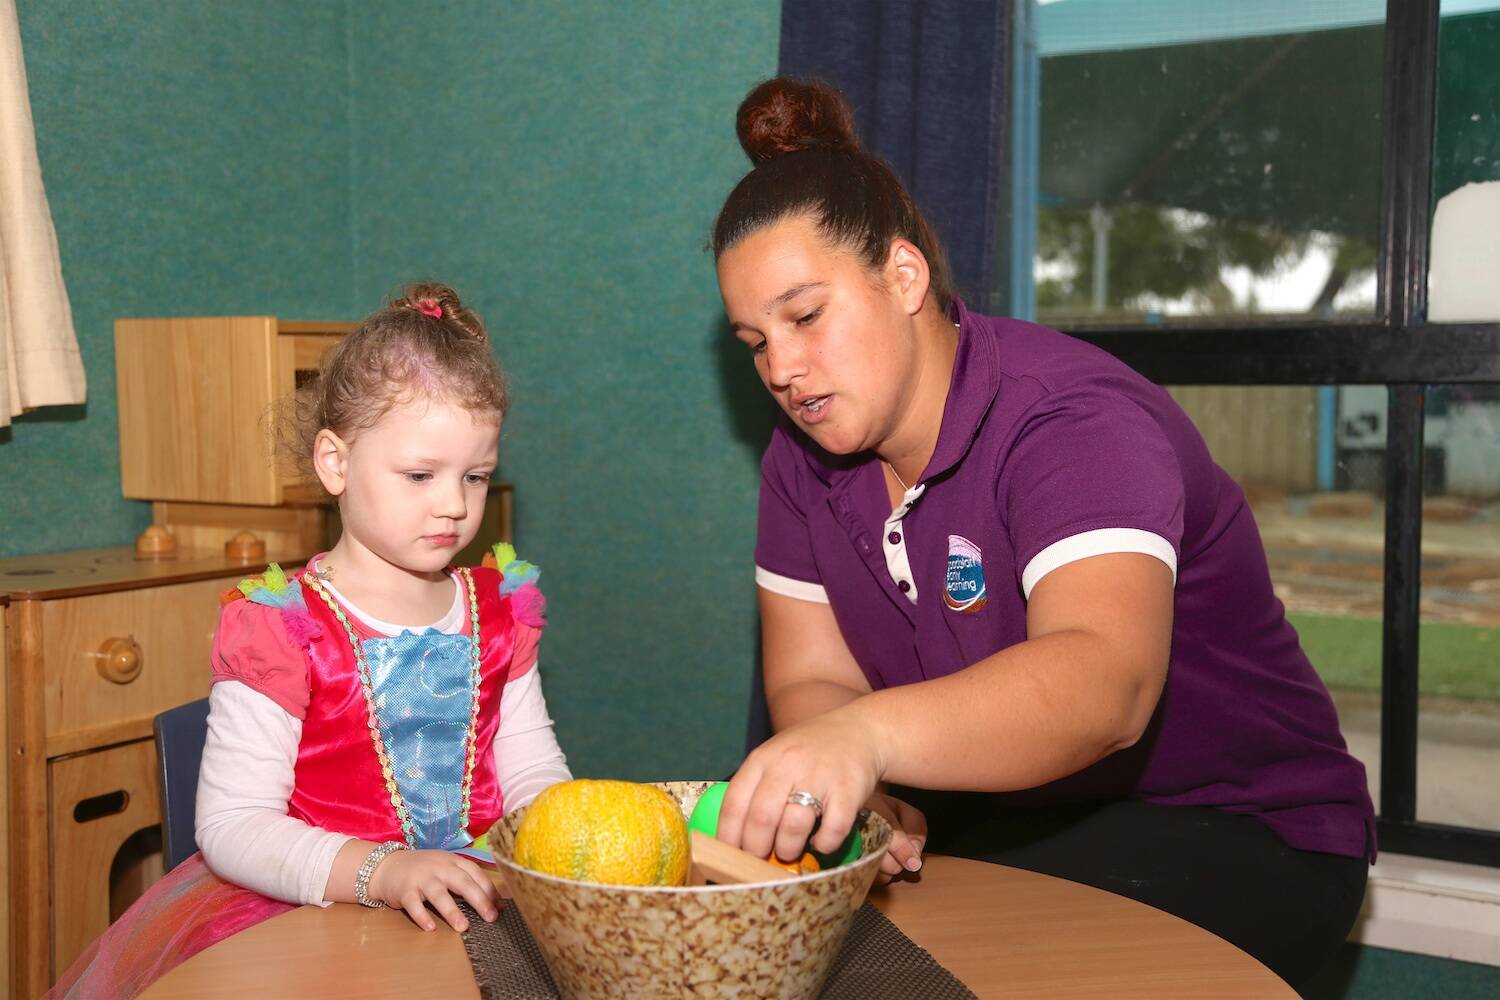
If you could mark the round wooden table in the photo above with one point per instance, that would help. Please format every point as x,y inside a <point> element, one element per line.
<point>1003,931</point>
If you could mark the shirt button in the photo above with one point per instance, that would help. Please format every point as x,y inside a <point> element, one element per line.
<point>894,538</point>
<point>904,586</point>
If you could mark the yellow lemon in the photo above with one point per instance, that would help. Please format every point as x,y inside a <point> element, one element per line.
<point>616,832</point>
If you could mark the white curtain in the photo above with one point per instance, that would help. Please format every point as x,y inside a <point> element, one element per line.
<point>39,360</point>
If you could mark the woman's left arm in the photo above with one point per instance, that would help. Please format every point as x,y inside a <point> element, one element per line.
<point>1083,685</point>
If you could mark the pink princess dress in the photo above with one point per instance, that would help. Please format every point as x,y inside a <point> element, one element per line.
<point>407,770</point>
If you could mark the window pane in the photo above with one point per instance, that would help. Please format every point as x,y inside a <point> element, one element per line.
<point>1207,159</point>
<point>1312,462</point>
<point>1458,727</point>
<point>1465,253</point>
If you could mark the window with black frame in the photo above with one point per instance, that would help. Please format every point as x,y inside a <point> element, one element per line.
<point>1237,200</point>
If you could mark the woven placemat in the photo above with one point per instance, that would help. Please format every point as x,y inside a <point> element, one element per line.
<point>876,962</point>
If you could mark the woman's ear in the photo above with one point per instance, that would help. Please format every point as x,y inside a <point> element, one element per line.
<point>907,275</point>
<point>330,461</point>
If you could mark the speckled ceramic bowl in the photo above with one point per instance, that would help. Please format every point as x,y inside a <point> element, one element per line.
<point>771,939</point>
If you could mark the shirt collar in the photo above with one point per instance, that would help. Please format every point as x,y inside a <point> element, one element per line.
<point>971,391</point>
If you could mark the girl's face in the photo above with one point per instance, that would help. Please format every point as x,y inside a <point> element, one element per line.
<point>412,488</point>
<point>834,343</point>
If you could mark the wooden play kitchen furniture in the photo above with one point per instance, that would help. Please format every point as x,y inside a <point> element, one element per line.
<point>98,642</point>
<point>197,398</point>
<point>1003,931</point>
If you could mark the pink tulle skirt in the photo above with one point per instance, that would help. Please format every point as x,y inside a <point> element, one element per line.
<point>189,909</point>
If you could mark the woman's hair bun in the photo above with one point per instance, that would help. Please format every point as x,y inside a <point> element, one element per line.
<point>441,303</point>
<point>785,115</point>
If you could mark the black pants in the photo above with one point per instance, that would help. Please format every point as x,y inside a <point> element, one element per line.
<point>1228,874</point>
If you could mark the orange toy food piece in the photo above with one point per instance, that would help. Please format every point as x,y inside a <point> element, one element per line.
<point>806,866</point>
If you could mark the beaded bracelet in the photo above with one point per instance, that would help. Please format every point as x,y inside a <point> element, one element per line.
<point>367,870</point>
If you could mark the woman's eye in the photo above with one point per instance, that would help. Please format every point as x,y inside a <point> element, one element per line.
<point>759,348</point>
<point>418,477</point>
<point>810,317</point>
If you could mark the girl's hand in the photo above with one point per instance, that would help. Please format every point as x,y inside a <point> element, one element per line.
<point>411,880</point>
<point>909,833</point>
<point>835,756</point>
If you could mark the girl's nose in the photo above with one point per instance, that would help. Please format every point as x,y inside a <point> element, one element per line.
<point>452,503</point>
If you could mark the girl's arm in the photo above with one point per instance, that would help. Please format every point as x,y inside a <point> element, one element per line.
<point>244,784</point>
<point>527,757</point>
<point>246,836</point>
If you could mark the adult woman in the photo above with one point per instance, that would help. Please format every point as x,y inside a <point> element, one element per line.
<point>993,559</point>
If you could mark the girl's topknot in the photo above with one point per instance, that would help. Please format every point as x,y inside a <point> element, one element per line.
<point>786,115</point>
<point>441,303</point>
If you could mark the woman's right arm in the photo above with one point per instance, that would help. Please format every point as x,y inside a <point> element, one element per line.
<point>807,666</point>
<point>809,670</point>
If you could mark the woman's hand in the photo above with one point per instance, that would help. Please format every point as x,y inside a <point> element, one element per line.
<point>908,835</point>
<point>411,880</point>
<point>836,757</point>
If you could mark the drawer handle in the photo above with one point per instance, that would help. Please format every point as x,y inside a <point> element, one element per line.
<point>119,660</point>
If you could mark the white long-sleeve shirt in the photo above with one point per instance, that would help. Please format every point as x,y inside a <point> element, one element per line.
<point>250,756</point>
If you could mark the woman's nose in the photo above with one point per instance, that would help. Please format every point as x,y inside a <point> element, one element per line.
<point>784,362</point>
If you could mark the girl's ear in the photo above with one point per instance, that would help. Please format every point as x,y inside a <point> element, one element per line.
<point>330,461</point>
<point>907,274</point>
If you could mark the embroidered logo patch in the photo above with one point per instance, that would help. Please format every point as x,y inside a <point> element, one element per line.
<point>963,589</point>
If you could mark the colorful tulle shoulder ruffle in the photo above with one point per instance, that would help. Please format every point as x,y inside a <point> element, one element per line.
<point>520,581</point>
<point>274,589</point>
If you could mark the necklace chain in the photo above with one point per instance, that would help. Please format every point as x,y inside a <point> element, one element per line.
<point>366,685</point>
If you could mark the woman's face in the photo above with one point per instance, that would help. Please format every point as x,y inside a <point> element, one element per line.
<point>834,343</point>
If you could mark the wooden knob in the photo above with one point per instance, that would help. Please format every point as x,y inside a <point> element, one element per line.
<point>246,547</point>
<point>119,660</point>
<point>155,542</point>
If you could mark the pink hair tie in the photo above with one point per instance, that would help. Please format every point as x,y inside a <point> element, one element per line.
<point>430,307</point>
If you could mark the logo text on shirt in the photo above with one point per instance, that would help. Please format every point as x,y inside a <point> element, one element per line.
<point>963,588</point>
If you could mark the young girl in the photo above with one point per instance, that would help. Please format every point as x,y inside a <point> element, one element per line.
<point>378,711</point>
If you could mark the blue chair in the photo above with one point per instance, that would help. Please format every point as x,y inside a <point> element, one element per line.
<point>180,734</point>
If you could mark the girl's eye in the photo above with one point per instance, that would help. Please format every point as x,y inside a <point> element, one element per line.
<point>759,348</point>
<point>418,477</point>
<point>810,317</point>
<point>477,478</point>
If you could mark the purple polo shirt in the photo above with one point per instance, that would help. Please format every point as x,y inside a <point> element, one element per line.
<point>1052,450</point>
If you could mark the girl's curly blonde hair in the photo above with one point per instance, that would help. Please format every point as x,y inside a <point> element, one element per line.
<point>425,343</point>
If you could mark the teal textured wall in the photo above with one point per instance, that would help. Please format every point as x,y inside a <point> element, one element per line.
<point>562,171</point>
<point>196,158</point>
<point>561,167</point>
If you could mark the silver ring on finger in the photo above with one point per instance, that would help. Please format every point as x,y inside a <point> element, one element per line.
<point>801,798</point>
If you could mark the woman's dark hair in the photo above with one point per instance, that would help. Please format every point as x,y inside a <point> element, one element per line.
<point>800,136</point>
